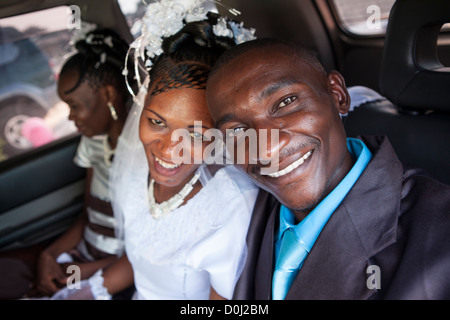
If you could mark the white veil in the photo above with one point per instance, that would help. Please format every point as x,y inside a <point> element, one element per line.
<point>129,170</point>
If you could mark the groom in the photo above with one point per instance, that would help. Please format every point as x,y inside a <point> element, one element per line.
<point>340,218</point>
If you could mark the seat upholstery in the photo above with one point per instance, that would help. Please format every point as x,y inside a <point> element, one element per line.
<point>411,74</point>
<point>416,114</point>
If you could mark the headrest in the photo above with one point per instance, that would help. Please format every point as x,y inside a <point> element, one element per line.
<point>411,75</point>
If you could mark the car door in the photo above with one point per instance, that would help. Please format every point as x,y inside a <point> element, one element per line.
<point>41,189</point>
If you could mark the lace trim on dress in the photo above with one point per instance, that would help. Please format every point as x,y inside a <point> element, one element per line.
<point>181,229</point>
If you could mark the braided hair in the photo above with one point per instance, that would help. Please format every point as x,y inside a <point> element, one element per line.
<point>188,57</point>
<point>99,60</point>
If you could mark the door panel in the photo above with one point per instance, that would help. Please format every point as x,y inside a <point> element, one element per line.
<point>41,192</point>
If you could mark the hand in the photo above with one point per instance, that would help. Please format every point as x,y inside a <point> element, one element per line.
<point>50,275</point>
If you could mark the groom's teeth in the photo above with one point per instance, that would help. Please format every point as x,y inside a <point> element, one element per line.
<point>291,167</point>
<point>166,165</point>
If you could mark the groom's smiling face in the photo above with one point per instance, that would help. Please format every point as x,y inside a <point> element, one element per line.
<point>271,88</point>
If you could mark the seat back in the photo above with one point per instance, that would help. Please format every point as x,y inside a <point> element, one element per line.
<point>416,114</point>
<point>411,75</point>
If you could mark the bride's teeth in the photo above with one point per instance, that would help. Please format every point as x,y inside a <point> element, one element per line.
<point>166,165</point>
<point>291,167</point>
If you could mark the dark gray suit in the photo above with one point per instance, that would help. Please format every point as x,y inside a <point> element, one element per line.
<point>393,218</point>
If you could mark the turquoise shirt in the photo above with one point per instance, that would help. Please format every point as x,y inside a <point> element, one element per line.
<point>310,227</point>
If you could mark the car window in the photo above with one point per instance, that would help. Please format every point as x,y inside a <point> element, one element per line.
<point>32,49</point>
<point>363,17</point>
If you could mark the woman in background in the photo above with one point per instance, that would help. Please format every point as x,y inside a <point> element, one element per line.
<point>92,84</point>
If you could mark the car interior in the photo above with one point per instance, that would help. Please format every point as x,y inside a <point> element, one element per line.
<point>415,116</point>
<point>41,189</point>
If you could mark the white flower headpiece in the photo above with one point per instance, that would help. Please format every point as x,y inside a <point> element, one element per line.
<point>164,18</point>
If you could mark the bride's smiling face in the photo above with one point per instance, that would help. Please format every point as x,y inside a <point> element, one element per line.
<point>163,113</point>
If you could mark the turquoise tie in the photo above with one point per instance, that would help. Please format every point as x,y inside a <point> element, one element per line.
<point>291,255</point>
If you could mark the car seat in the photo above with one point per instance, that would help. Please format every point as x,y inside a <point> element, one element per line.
<point>416,112</point>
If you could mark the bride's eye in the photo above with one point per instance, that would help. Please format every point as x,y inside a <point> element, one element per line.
<point>287,101</point>
<point>157,122</point>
